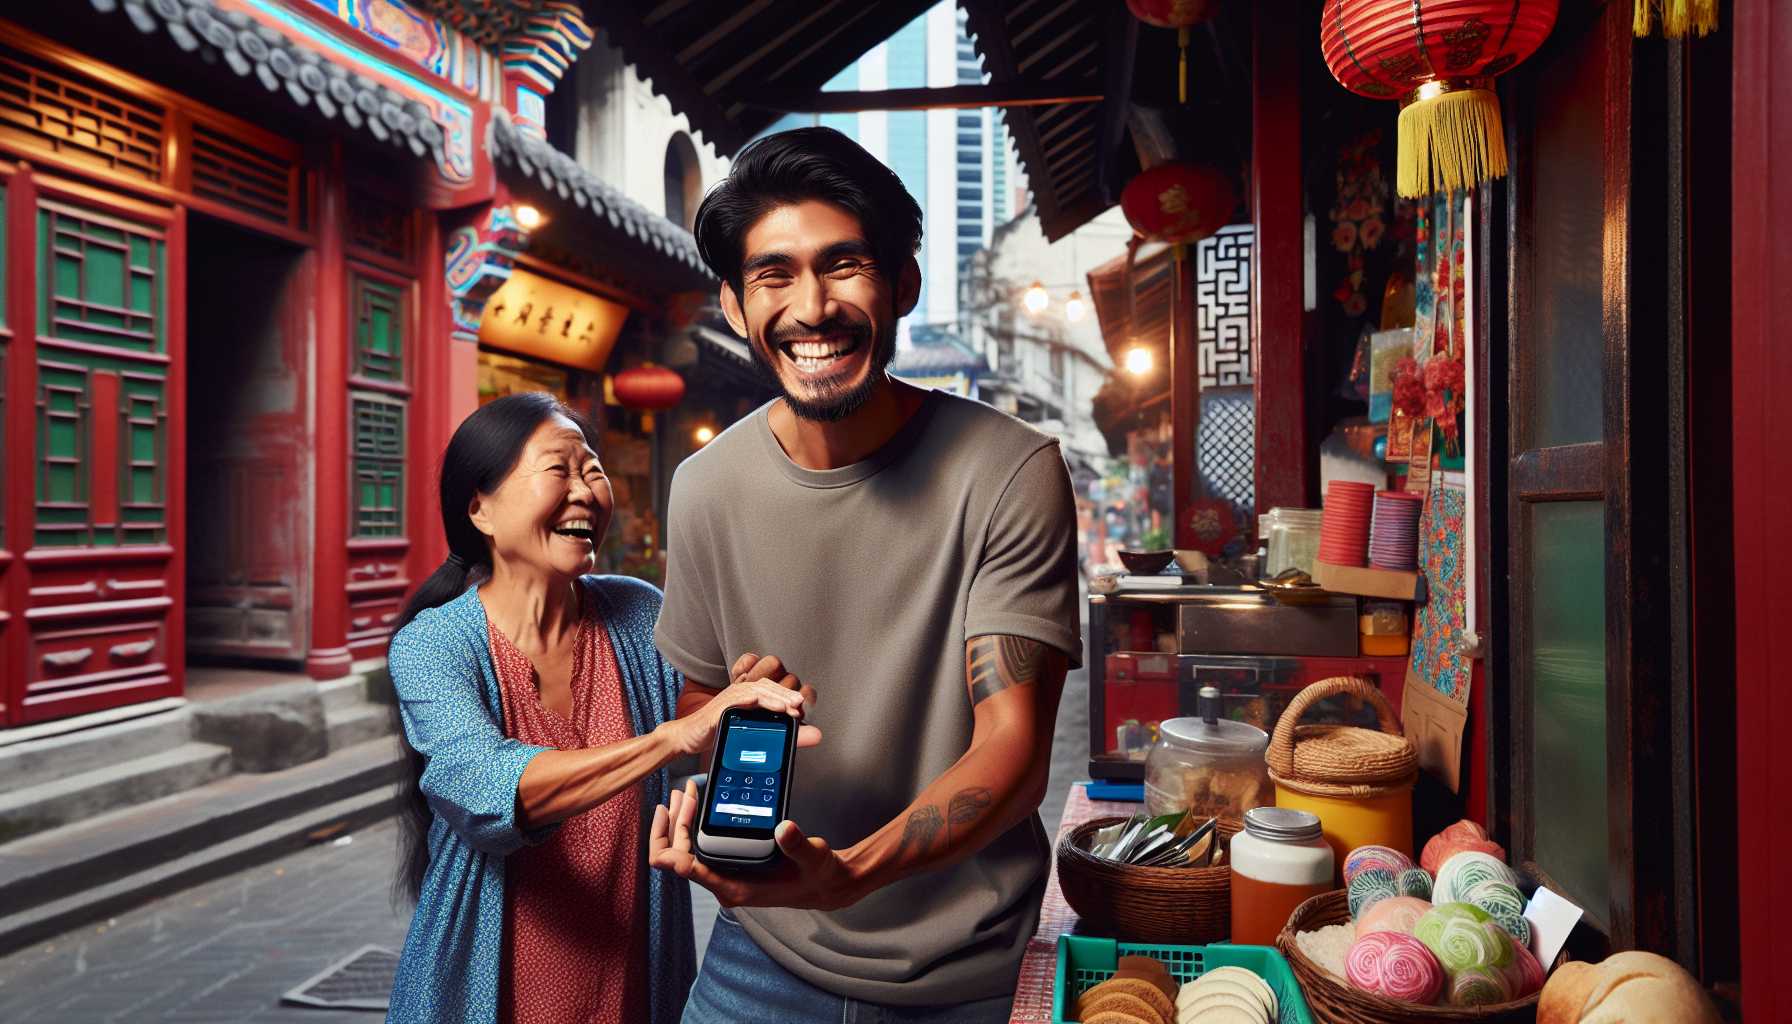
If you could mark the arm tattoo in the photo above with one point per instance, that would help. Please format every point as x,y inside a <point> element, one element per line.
<point>966,807</point>
<point>923,828</point>
<point>994,663</point>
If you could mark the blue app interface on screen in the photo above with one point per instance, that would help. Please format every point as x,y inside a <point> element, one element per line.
<point>744,791</point>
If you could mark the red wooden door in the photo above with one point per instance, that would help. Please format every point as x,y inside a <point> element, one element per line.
<point>100,458</point>
<point>248,538</point>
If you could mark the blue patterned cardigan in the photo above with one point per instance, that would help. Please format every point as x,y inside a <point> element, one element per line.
<point>441,667</point>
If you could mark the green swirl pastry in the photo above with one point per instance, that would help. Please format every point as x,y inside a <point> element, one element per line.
<point>1463,936</point>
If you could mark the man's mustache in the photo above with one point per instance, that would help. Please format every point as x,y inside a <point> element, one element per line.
<point>788,333</point>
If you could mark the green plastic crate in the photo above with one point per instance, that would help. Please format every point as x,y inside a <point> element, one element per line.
<point>1085,961</point>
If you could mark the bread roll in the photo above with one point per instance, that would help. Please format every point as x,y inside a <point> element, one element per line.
<point>1625,988</point>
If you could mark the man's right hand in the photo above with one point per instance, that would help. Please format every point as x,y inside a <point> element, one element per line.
<point>755,681</point>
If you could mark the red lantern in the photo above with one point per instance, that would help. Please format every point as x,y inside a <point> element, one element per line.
<point>648,387</point>
<point>1179,15</point>
<point>1438,57</point>
<point>1211,526</point>
<point>1178,202</point>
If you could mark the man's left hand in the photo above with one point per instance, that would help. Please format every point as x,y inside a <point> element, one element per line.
<point>810,875</point>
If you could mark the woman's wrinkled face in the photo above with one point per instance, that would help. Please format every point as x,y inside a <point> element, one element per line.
<point>551,512</point>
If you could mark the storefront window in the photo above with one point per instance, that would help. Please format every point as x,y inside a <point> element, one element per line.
<point>501,375</point>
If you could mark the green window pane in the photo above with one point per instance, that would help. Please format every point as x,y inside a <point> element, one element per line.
<point>1566,669</point>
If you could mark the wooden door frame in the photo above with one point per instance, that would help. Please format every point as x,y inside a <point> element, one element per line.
<point>1627,471</point>
<point>1761,263</point>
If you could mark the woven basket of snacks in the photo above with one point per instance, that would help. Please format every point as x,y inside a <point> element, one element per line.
<point>1337,1001</point>
<point>1146,904</point>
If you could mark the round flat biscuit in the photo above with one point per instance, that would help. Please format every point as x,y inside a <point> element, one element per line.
<point>1125,1002</point>
<point>1222,1014</point>
<point>1250,979</point>
<point>1210,999</point>
<point>1138,988</point>
<point>1115,1017</point>
<point>1225,986</point>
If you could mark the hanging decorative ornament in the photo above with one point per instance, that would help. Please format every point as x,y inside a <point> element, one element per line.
<point>1179,15</point>
<point>648,387</point>
<point>1439,58</point>
<point>1178,203</point>
<point>1678,17</point>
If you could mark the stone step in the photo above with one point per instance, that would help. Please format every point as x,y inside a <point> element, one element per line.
<point>48,758</point>
<point>63,878</point>
<point>35,808</point>
<point>343,693</point>
<point>357,723</point>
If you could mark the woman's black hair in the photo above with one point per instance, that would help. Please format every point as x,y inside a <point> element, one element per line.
<point>483,451</point>
<point>798,165</point>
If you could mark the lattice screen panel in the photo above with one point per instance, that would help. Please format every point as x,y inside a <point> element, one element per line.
<point>378,454</point>
<point>1226,445</point>
<point>79,117</point>
<point>1224,350</point>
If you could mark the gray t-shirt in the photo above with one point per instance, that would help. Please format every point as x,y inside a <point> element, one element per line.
<point>866,581</point>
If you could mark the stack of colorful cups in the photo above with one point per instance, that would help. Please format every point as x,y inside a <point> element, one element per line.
<point>1344,529</point>
<point>1394,535</point>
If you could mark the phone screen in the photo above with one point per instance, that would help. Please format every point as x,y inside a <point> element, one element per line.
<point>747,786</point>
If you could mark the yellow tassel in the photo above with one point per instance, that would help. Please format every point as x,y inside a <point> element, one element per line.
<point>1450,141</point>
<point>1677,17</point>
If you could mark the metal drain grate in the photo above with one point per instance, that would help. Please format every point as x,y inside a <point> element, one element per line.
<point>360,981</point>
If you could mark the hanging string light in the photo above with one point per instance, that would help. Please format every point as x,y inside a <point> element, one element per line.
<point>1036,298</point>
<point>1075,308</point>
<point>1138,360</point>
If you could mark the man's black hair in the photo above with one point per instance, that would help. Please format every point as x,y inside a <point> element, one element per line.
<point>799,165</point>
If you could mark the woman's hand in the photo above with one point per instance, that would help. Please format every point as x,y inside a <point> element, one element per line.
<point>756,682</point>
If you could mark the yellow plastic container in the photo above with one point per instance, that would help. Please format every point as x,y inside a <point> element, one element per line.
<point>1357,781</point>
<point>1350,822</point>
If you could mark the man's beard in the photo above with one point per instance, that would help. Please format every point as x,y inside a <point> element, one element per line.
<point>837,401</point>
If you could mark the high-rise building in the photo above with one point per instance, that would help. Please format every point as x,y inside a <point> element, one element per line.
<point>956,163</point>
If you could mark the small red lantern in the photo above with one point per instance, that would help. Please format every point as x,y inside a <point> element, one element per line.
<point>1179,15</point>
<point>1178,203</point>
<point>1438,57</point>
<point>648,387</point>
<point>1211,525</point>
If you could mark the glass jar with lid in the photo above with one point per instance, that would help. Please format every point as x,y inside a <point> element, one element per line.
<point>1207,765</point>
<point>1292,537</point>
<point>1279,861</point>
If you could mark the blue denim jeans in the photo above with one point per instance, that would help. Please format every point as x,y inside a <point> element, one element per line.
<point>739,984</point>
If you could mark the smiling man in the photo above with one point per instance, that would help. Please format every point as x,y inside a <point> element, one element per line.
<point>911,555</point>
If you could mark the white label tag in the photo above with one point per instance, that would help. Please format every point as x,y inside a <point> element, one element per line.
<point>1552,918</point>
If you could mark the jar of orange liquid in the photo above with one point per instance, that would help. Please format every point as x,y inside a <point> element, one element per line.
<point>1279,861</point>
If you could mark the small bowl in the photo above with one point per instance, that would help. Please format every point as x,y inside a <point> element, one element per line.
<point>1146,563</point>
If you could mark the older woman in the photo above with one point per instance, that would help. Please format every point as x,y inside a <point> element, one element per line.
<point>540,719</point>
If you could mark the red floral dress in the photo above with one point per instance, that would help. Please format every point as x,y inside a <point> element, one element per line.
<point>574,929</point>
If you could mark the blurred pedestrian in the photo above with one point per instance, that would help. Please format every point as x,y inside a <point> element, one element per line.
<point>539,721</point>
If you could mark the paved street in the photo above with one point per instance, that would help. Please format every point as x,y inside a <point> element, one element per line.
<point>225,951</point>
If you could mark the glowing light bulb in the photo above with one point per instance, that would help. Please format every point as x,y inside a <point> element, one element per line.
<point>1036,298</point>
<point>527,216</point>
<point>1075,308</point>
<point>703,435</point>
<point>1138,360</point>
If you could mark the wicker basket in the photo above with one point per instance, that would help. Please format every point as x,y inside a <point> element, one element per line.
<point>1341,760</point>
<point>1335,1002</point>
<point>1187,906</point>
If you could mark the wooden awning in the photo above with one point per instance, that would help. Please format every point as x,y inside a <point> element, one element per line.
<point>1055,68</point>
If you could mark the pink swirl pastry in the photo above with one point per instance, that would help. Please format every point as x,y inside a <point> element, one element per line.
<point>1464,835</point>
<point>1398,914</point>
<point>1394,965</point>
<point>1524,972</point>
